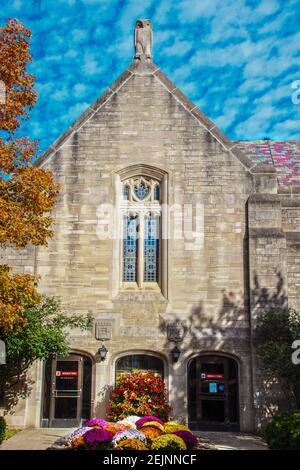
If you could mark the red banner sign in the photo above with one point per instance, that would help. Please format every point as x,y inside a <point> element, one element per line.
<point>66,373</point>
<point>212,376</point>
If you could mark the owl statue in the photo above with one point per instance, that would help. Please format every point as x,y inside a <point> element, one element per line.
<point>143,39</point>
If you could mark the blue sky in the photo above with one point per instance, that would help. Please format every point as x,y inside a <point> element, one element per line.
<point>235,59</point>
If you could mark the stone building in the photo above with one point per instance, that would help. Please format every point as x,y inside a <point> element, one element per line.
<point>174,238</point>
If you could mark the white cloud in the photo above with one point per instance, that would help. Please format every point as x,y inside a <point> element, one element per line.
<point>17,4</point>
<point>75,111</point>
<point>258,123</point>
<point>91,64</point>
<point>79,35</point>
<point>163,13</point>
<point>79,89</point>
<point>254,85</point>
<point>71,53</point>
<point>191,10</point>
<point>267,7</point>
<point>59,94</point>
<point>178,48</point>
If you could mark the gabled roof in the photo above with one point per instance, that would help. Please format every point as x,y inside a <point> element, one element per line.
<point>283,155</point>
<point>137,68</point>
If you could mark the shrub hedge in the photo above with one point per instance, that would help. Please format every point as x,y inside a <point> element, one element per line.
<point>2,429</point>
<point>283,432</point>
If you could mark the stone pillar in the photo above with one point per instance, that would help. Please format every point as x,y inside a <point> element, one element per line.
<point>267,280</point>
<point>104,383</point>
<point>178,390</point>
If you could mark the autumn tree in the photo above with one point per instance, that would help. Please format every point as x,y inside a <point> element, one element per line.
<point>27,193</point>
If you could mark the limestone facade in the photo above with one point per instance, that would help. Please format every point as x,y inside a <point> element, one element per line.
<point>246,245</point>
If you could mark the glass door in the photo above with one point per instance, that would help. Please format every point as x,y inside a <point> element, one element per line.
<point>213,393</point>
<point>66,393</point>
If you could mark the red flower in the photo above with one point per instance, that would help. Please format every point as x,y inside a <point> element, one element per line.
<point>140,393</point>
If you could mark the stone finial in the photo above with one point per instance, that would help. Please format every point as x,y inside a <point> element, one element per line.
<point>143,40</point>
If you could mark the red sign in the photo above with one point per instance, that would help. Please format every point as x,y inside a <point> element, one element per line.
<point>212,376</point>
<point>66,373</point>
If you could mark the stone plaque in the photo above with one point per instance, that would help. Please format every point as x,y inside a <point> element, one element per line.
<point>175,331</point>
<point>103,329</point>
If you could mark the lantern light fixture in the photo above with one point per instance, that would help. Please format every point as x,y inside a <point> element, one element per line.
<point>176,351</point>
<point>102,352</point>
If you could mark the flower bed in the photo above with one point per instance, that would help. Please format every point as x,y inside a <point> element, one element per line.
<point>132,433</point>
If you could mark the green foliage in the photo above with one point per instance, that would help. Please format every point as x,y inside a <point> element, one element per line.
<point>10,433</point>
<point>2,429</point>
<point>276,332</point>
<point>44,335</point>
<point>283,432</point>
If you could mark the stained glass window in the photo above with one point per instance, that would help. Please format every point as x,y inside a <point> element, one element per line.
<point>141,196</point>
<point>151,245</point>
<point>126,192</point>
<point>130,249</point>
<point>141,190</point>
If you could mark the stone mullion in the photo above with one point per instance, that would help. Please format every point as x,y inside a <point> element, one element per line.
<point>140,267</point>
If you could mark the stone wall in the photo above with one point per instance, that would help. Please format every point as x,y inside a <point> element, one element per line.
<point>291,226</point>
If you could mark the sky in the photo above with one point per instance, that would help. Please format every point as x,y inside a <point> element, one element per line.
<point>236,59</point>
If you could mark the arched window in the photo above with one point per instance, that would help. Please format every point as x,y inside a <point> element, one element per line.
<point>141,210</point>
<point>145,362</point>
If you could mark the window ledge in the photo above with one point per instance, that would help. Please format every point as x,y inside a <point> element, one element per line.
<point>136,294</point>
<point>134,287</point>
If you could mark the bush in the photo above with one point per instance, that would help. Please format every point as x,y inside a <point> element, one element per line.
<point>2,429</point>
<point>283,432</point>
<point>138,393</point>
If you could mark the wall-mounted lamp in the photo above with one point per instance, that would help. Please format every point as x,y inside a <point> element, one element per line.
<point>102,352</point>
<point>176,351</point>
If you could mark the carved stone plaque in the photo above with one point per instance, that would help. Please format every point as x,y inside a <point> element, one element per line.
<point>175,331</point>
<point>103,329</point>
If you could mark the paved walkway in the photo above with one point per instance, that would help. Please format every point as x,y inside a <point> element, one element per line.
<point>233,440</point>
<point>34,439</point>
<point>41,439</point>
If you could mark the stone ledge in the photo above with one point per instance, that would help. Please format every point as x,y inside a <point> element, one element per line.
<point>266,233</point>
<point>290,203</point>
<point>263,198</point>
<point>263,168</point>
<point>142,297</point>
<point>293,236</point>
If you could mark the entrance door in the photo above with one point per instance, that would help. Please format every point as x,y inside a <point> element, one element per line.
<point>66,392</point>
<point>213,393</point>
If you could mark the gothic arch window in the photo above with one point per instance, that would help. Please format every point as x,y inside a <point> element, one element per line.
<point>142,196</point>
<point>144,362</point>
<point>141,210</point>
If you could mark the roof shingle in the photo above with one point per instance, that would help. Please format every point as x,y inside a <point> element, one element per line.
<point>283,155</point>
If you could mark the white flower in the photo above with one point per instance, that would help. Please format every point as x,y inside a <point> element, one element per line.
<point>130,420</point>
<point>78,433</point>
<point>128,434</point>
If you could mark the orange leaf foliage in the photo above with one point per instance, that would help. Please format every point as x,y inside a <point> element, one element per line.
<point>16,292</point>
<point>27,193</point>
<point>14,57</point>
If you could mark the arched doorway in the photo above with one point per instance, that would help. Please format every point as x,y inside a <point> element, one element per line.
<point>213,393</point>
<point>67,391</point>
<point>140,361</point>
